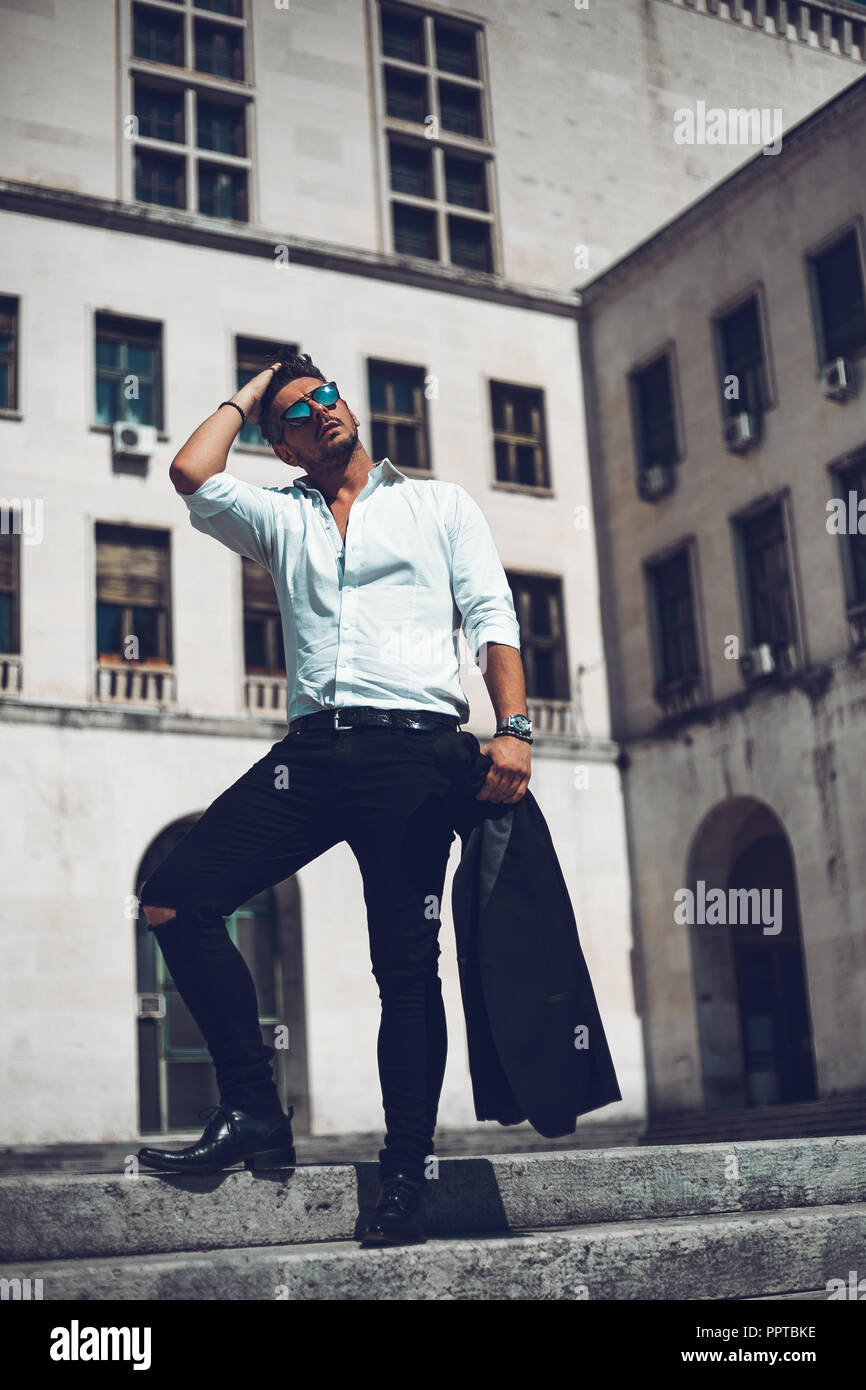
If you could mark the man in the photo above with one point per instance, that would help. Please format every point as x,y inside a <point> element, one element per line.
<point>375,573</point>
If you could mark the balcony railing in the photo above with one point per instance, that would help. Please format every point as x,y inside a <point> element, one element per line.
<point>135,684</point>
<point>265,694</point>
<point>678,697</point>
<point>10,674</point>
<point>857,624</point>
<point>555,718</point>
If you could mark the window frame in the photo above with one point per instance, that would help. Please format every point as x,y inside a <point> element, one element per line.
<point>650,564</point>
<point>391,419</point>
<point>854,605</point>
<point>15,621</point>
<point>753,291</point>
<point>544,489</point>
<point>481,148</point>
<point>737,521</point>
<point>159,381</point>
<point>811,255</point>
<point>165,625</point>
<point>667,350</point>
<point>190,84</point>
<point>12,411</point>
<point>250,446</point>
<point>528,642</point>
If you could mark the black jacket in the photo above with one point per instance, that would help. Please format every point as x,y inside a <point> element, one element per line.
<point>527,995</point>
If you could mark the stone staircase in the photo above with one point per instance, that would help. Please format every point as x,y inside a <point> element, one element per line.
<point>762,1219</point>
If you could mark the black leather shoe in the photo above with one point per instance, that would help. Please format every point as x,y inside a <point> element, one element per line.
<point>231,1137</point>
<point>398,1216</point>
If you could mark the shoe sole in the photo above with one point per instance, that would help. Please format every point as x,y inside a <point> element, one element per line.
<point>371,1242</point>
<point>262,1161</point>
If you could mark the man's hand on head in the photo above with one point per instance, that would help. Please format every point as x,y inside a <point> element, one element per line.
<point>509,776</point>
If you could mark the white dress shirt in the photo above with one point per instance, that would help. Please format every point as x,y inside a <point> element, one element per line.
<point>375,621</point>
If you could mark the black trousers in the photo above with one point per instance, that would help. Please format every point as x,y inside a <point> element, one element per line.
<point>383,792</point>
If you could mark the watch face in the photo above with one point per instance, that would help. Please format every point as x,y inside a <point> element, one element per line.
<point>519,722</point>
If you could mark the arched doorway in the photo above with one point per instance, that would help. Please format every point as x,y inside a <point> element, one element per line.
<point>749,970</point>
<point>176,1076</point>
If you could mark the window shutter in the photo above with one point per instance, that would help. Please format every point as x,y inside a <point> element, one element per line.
<point>132,567</point>
<point>8,562</point>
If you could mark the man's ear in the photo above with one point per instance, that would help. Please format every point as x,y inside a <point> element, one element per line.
<point>285,455</point>
<point>355,420</point>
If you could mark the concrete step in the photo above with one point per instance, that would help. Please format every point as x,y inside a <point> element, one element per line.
<point>362,1147</point>
<point>65,1216</point>
<point>730,1256</point>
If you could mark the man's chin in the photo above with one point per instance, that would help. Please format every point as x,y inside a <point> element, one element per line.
<point>335,448</point>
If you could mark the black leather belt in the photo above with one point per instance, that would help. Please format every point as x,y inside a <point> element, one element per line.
<point>367,716</point>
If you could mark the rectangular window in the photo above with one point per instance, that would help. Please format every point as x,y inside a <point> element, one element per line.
<point>221,126</point>
<point>519,443</point>
<point>205,166</point>
<point>432,81</point>
<point>847,481</point>
<point>159,111</point>
<point>252,355</point>
<point>157,35</point>
<point>398,413</point>
<point>653,413</point>
<point>769,604</point>
<point>741,356</point>
<point>538,606</point>
<point>8,352</point>
<point>222,192</point>
<point>128,370</point>
<point>263,629</point>
<point>838,300</point>
<point>675,645</point>
<point>415,232</point>
<point>160,179</point>
<point>132,595</point>
<point>10,579</point>
<point>219,50</point>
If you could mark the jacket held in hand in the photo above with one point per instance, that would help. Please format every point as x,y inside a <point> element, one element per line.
<point>527,996</point>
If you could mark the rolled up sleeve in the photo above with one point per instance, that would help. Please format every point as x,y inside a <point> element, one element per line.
<point>235,512</point>
<point>480,588</point>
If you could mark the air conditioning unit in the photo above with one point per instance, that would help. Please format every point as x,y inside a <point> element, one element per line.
<point>655,482</point>
<point>757,662</point>
<point>836,380</point>
<point>740,432</point>
<point>134,441</point>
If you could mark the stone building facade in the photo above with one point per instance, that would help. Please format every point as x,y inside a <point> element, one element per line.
<point>724,368</point>
<point>411,193</point>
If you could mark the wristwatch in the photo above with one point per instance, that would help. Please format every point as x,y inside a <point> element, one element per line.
<point>514,726</point>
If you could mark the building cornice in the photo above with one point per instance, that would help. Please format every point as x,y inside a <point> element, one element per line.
<point>796,144</point>
<point>96,716</point>
<point>168,224</point>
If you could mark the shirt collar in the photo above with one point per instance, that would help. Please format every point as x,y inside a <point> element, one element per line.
<point>385,468</point>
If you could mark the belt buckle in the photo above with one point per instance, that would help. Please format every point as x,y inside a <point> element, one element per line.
<point>337,724</point>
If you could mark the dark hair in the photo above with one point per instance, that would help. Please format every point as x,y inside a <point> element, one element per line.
<point>293,365</point>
